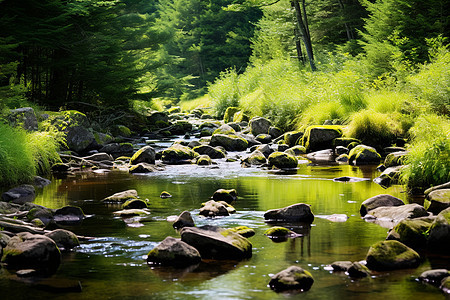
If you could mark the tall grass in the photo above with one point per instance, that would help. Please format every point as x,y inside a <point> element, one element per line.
<point>428,160</point>
<point>44,147</point>
<point>16,158</point>
<point>201,102</point>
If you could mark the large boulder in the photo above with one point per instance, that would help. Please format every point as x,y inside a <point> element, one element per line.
<point>144,155</point>
<point>412,232</point>
<point>229,142</point>
<point>64,239</point>
<point>395,214</point>
<point>283,160</point>
<point>391,255</point>
<point>173,252</point>
<point>217,243</point>
<point>213,153</point>
<point>438,201</point>
<point>378,201</point>
<point>228,196</point>
<point>299,212</point>
<point>364,155</point>
<point>31,251</point>
<point>68,215</point>
<point>21,194</point>
<point>290,279</point>
<point>214,209</point>
<point>24,117</point>
<point>79,138</point>
<point>439,234</point>
<point>320,137</point>
<point>178,154</point>
<point>259,125</point>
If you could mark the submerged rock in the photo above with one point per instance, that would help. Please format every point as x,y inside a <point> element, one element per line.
<point>299,212</point>
<point>283,160</point>
<point>217,243</point>
<point>378,201</point>
<point>277,232</point>
<point>243,230</point>
<point>391,255</point>
<point>173,252</point>
<point>292,278</point>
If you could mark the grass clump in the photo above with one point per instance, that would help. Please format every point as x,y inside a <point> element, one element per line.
<point>428,160</point>
<point>44,147</point>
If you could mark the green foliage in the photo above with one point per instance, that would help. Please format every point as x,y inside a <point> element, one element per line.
<point>225,92</point>
<point>373,128</point>
<point>428,160</point>
<point>44,147</point>
<point>201,102</point>
<point>16,157</point>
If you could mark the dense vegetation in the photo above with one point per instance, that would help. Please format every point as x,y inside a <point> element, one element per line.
<point>379,66</point>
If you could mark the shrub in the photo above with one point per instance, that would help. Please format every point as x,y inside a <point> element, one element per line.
<point>224,92</point>
<point>373,128</point>
<point>428,160</point>
<point>16,158</point>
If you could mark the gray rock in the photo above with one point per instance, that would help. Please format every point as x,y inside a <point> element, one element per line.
<point>292,278</point>
<point>275,132</point>
<point>142,168</point>
<point>391,255</point>
<point>259,125</point>
<point>438,200</point>
<point>378,201</point>
<point>326,155</point>
<point>211,243</point>
<point>341,266</point>
<point>235,126</point>
<point>339,150</point>
<point>299,212</point>
<point>434,277</point>
<point>229,142</point>
<point>24,117</point>
<point>40,182</point>
<point>117,149</point>
<point>121,197</point>
<point>79,138</point>
<point>228,196</point>
<point>68,214</point>
<point>438,187</point>
<point>214,209</point>
<point>398,213</point>
<point>64,239</point>
<point>358,270</point>
<point>101,156</point>
<point>144,155</point>
<point>21,194</point>
<point>439,234</point>
<point>263,138</point>
<point>395,159</point>
<point>184,220</point>
<point>32,251</point>
<point>389,176</point>
<point>213,153</point>
<point>173,252</point>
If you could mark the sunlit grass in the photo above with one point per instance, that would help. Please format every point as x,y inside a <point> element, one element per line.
<point>201,102</point>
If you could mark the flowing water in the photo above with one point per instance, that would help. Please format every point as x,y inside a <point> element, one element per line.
<point>113,264</point>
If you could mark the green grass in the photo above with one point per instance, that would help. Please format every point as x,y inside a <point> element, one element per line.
<point>44,147</point>
<point>201,102</point>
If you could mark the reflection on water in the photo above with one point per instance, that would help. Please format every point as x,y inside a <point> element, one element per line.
<point>113,264</point>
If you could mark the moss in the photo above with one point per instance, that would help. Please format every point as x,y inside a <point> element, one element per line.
<point>228,130</point>
<point>283,160</point>
<point>319,137</point>
<point>364,154</point>
<point>240,116</point>
<point>277,231</point>
<point>345,141</point>
<point>291,137</point>
<point>229,114</point>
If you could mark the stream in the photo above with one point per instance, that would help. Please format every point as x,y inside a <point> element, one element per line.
<point>113,264</point>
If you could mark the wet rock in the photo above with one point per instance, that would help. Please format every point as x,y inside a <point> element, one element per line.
<point>40,182</point>
<point>142,168</point>
<point>203,160</point>
<point>134,204</point>
<point>217,243</point>
<point>242,230</point>
<point>235,126</point>
<point>229,142</point>
<point>178,154</point>
<point>173,252</point>
<point>144,155</point>
<point>165,194</point>
<point>122,197</point>
<point>364,155</point>
<point>31,251</point>
<point>291,137</point>
<point>438,201</point>
<point>229,196</point>
<point>128,213</point>
<point>326,155</point>
<point>24,117</point>
<point>279,232</point>
<point>20,194</point>
<point>412,232</point>
<point>184,220</point>
<point>298,150</point>
<point>214,209</point>
<point>320,137</point>
<point>292,278</point>
<point>229,114</point>
<point>64,239</point>
<point>395,159</point>
<point>264,149</point>
<point>438,187</point>
<point>439,234</point>
<point>378,201</point>
<point>224,129</point>
<point>229,207</point>
<point>275,132</point>
<point>250,139</point>
<point>259,125</point>
<point>41,213</point>
<point>398,213</point>
<point>193,144</point>
<point>391,255</point>
<point>68,214</point>
<point>264,138</point>
<point>341,266</point>
<point>434,277</point>
<point>283,160</point>
<point>343,158</point>
<point>256,158</point>
<point>213,153</point>
<point>358,270</point>
<point>389,177</point>
<point>117,149</point>
<point>79,138</point>
<point>299,212</point>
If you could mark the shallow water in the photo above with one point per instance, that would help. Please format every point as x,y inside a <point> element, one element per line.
<point>113,264</point>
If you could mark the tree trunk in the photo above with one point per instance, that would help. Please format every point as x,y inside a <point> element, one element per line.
<point>304,30</point>
<point>348,28</point>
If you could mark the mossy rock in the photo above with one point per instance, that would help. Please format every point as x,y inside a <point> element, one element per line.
<point>439,233</point>
<point>173,252</point>
<point>240,116</point>
<point>229,142</point>
<point>174,110</point>
<point>255,158</point>
<point>283,160</point>
<point>320,137</point>
<point>102,138</point>
<point>364,155</point>
<point>228,196</point>
<point>438,201</point>
<point>165,194</point>
<point>204,160</point>
<point>68,118</point>
<point>243,230</point>
<point>224,129</point>
<point>212,152</point>
<point>291,137</point>
<point>412,233</point>
<point>121,130</point>
<point>142,168</point>
<point>176,154</point>
<point>229,114</point>
<point>391,255</point>
<point>291,279</point>
<point>144,155</point>
<point>209,125</point>
<point>134,204</point>
<point>298,150</point>
<point>263,138</point>
<point>235,126</point>
<point>345,141</point>
<point>278,231</point>
<point>353,145</point>
<point>395,159</point>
